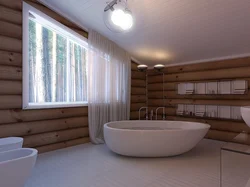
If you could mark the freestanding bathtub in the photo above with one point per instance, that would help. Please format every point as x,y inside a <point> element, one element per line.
<point>153,138</point>
<point>16,166</point>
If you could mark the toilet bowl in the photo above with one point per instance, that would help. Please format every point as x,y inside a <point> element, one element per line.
<point>16,166</point>
<point>10,143</point>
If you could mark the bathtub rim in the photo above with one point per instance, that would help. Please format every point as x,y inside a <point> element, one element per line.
<point>33,153</point>
<point>204,126</point>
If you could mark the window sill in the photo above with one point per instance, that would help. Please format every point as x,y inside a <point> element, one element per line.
<point>54,105</point>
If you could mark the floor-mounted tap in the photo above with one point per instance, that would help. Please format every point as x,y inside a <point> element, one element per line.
<point>146,112</point>
<point>163,115</point>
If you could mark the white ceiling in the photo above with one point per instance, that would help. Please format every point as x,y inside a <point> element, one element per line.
<point>171,31</point>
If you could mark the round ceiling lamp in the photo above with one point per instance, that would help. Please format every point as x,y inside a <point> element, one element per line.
<point>159,67</point>
<point>142,67</point>
<point>117,16</point>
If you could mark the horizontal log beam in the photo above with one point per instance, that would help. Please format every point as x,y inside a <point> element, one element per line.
<point>10,73</point>
<point>12,4</point>
<point>134,115</point>
<point>138,83</point>
<point>10,87</point>
<point>19,115</point>
<point>55,137</point>
<point>10,30</point>
<point>138,91</point>
<point>138,99</point>
<point>221,125</point>
<point>10,15</point>
<point>37,127</point>
<point>10,101</point>
<point>61,145</point>
<point>10,58</point>
<point>136,106</point>
<point>229,136</point>
<point>134,66</point>
<point>10,44</point>
<point>219,74</point>
<point>174,102</point>
<point>138,75</point>
<point>52,14</point>
<point>221,64</point>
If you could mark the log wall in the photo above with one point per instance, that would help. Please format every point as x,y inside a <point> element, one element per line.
<point>47,129</point>
<point>138,91</point>
<point>225,130</point>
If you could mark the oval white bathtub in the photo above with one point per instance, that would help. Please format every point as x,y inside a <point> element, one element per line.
<point>153,138</point>
<point>16,166</point>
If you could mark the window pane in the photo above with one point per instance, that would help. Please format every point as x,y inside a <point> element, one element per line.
<point>57,67</point>
<point>78,71</point>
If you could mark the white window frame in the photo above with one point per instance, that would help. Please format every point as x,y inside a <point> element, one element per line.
<point>53,24</point>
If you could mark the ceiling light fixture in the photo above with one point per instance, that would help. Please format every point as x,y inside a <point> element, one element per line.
<point>142,67</point>
<point>117,16</point>
<point>159,67</point>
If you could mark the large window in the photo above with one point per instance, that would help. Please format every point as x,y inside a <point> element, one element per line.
<point>55,63</point>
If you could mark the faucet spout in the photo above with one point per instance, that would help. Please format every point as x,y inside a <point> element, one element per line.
<point>163,115</point>
<point>146,112</point>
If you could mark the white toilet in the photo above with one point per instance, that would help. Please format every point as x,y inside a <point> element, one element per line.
<point>16,163</point>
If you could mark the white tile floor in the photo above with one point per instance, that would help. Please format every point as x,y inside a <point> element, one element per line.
<point>95,166</point>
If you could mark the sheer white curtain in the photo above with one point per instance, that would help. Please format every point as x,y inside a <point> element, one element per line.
<point>109,71</point>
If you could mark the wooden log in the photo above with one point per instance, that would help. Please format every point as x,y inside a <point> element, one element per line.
<point>10,101</point>
<point>10,15</point>
<point>159,86</point>
<point>134,115</point>
<point>61,145</point>
<point>37,127</point>
<point>138,75</point>
<point>10,30</point>
<point>134,66</point>
<point>53,14</point>
<point>240,138</point>
<point>138,83</point>
<point>221,135</point>
<point>174,102</point>
<point>12,4</point>
<point>18,115</point>
<point>216,124</point>
<point>231,73</point>
<point>81,32</point>
<point>10,44</point>
<point>175,95</point>
<point>10,73</point>
<point>138,91</point>
<point>10,58</point>
<point>136,106</point>
<point>55,137</point>
<point>10,87</point>
<point>168,111</point>
<point>138,99</point>
<point>221,64</point>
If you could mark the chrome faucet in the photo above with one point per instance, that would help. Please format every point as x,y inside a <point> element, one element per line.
<point>163,115</point>
<point>146,112</point>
